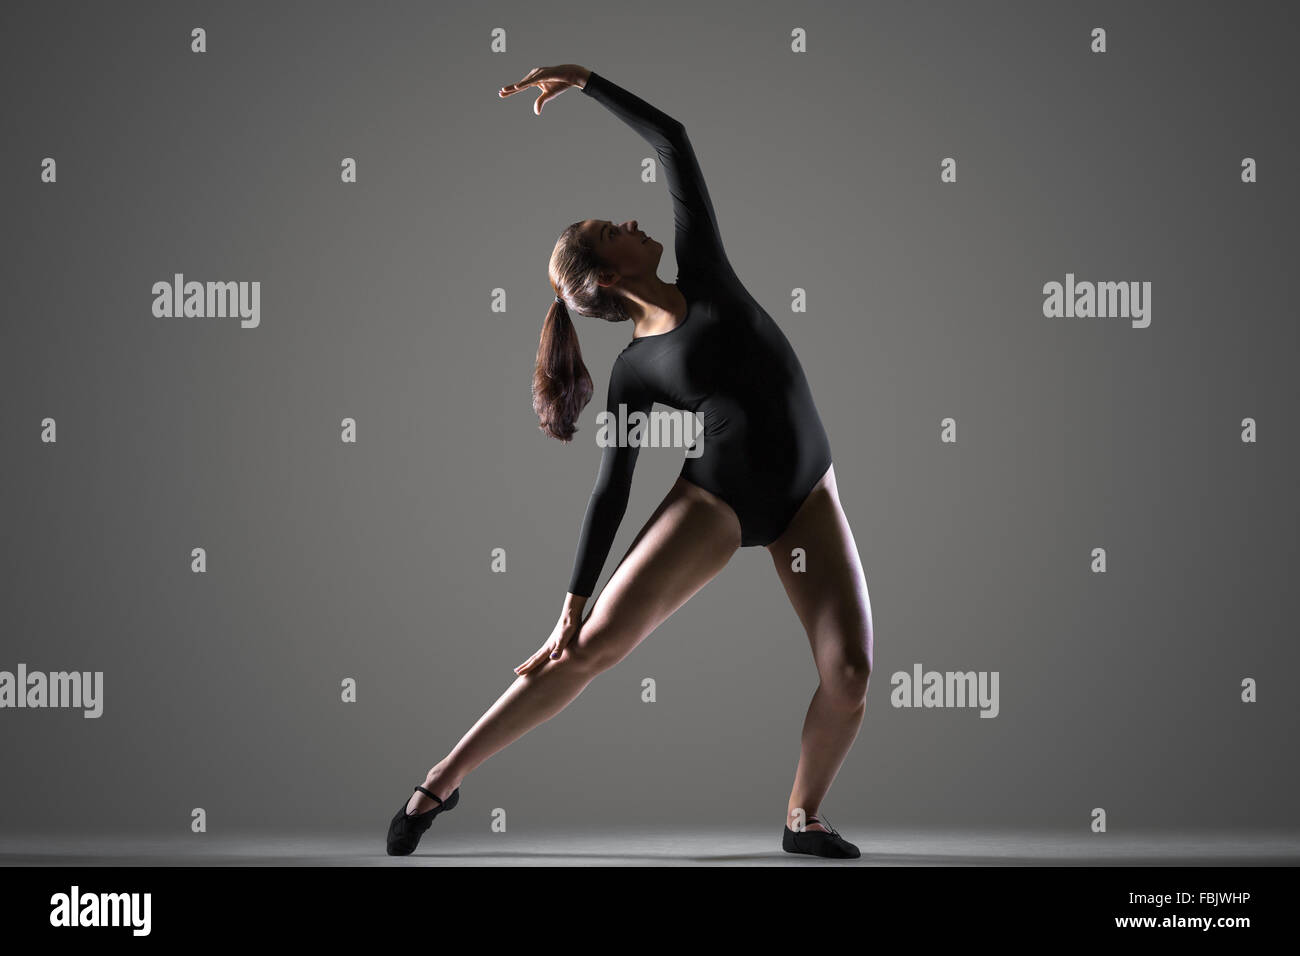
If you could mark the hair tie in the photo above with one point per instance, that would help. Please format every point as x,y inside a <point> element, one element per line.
<point>558,299</point>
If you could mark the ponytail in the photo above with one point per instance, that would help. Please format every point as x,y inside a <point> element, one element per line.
<point>561,384</point>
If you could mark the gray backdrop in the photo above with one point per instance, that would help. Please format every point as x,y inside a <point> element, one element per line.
<point>372,561</point>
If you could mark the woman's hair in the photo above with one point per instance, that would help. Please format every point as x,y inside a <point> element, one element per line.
<point>561,384</point>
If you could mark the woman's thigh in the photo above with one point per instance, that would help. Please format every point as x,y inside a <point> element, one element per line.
<point>690,538</point>
<point>829,592</point>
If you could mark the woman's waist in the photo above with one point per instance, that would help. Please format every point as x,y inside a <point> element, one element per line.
<point>761,441</point>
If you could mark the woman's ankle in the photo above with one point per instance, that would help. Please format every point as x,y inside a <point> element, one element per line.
<point>441,781</point>
<point>798,820</point>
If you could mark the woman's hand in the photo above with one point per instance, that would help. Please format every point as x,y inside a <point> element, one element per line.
<point>566,629</point>
<point>551,80</point>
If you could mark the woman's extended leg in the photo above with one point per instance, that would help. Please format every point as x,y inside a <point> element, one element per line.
<point>689,539</point>
<point>830,597</point>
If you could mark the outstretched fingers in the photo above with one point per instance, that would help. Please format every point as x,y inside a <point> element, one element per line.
<point>523,84</point>
<point>529,664</point>
<point>540,656</point>
<point>549,83</point>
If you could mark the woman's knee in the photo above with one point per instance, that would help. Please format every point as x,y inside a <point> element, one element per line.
<point>846,671</point>
<point>846,681</point>
<point>595,649</point>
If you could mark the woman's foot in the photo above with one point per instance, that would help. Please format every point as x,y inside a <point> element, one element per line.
<point>818,839</point>
<point>405,829</point>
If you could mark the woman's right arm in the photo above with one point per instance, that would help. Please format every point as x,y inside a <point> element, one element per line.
<point>613,485</point>
<point>604,513</point>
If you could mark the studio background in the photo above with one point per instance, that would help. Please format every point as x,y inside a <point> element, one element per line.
<point>372,561</point>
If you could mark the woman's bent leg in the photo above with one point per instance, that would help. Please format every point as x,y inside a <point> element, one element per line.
<point>830,597</point>
<point>689,539</point>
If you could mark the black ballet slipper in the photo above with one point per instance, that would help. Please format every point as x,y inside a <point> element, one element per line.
<point>405,830</point>
<point>819,842</point>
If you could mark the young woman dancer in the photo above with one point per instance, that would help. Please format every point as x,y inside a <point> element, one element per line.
<point>763,477</point>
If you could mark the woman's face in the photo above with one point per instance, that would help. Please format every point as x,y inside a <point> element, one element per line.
<point>623,247</point>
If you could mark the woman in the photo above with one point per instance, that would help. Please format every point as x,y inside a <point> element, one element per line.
<point>763,476</point>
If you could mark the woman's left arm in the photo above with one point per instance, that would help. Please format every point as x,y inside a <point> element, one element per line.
<point>697,239</point>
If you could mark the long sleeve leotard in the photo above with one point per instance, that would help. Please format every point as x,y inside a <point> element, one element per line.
<point>764,447</point>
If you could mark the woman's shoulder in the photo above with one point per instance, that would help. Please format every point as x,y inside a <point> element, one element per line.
<point>710,279</point>
<point>624,369</point>
<point>716,295</point>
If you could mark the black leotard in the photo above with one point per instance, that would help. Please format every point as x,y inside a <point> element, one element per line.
<point>727,361</point>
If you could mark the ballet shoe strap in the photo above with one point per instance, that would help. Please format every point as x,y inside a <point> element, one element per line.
<point>429,793</point>
<point>830,830</point>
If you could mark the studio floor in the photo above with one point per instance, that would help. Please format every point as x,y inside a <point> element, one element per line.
<point>664,847</point>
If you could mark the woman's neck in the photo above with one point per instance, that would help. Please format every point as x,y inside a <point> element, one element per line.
<point>657,310</point>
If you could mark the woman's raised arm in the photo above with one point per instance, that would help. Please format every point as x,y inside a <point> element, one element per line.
<point>697,239</point>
